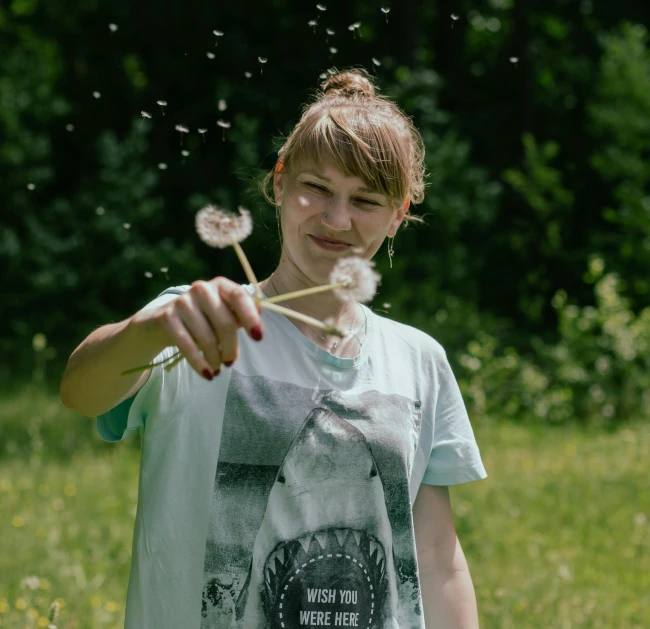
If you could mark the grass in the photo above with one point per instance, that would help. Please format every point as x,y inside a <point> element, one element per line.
<point>558,536</point>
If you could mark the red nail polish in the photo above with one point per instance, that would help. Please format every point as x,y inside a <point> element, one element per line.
<point>217,372</point>
<point>207,374</point>
<point>228,363</point>
<point>256,333</point>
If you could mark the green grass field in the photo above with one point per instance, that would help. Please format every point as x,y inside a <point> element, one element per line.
<point>557,536</point>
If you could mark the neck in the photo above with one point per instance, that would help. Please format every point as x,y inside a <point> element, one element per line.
<point>287,278</point>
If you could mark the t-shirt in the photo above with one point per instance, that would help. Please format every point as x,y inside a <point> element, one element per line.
<point>280,494</point>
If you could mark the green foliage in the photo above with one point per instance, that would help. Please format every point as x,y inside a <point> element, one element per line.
<point>619,118</point>
<point>598,371</point>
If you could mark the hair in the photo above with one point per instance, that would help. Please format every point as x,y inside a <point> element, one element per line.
<point>365,134</point>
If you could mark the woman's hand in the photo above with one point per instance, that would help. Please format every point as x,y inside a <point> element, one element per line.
<point>206,319</point>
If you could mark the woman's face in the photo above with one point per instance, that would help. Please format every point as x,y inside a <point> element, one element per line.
<point>326,215</point>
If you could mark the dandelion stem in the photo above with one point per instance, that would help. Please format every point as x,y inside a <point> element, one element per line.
<point>302,293</point>
<point>302,317</point>
<point>177,360</point>
<point>150,365</point>
<point>248,269</point>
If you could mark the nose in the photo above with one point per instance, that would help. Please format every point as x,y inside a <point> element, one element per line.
<point>337,215</point>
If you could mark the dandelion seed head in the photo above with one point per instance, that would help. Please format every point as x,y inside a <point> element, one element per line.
<point>126,225</point>
<point>223,124</point>
<point>185,153</point>
<point>32,582</point>
<point>162,166</point>
<point>162,103</point>
<point>376,61</point>
<point>358,277</point>
<point>210,55</point>
<point>222,105</point>
<point>145,114</point>
<point>99,211</point>
<point>181,128</point>
<point>262,59</point>
<point>148,274</point>
<point>97,95</point>
<point>218,228</point>
<point>321,7</point>
<point>113,27</point>
<point>30,186</point>
<point>69,127</point>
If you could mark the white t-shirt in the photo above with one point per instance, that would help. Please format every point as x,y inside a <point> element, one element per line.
<point>280,494</point>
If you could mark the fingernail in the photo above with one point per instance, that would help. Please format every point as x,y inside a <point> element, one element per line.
<point>259,309</point>
<point>256,333</point>
<point>217,372</point>
<point>207,374</point>
<point>229,363</point>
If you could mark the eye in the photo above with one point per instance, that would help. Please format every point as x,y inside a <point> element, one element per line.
<point>315,186</point>
<point>368,202</point>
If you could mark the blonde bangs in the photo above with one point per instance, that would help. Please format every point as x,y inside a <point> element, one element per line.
<point>358,146</point>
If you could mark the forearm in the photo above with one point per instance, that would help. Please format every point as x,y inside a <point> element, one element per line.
<point>448,596</point>
<point>92,382</point>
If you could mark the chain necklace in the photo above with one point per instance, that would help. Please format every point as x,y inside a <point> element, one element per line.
<point>336,343</point>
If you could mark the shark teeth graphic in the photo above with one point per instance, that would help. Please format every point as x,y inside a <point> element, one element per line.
<point>340,544</point>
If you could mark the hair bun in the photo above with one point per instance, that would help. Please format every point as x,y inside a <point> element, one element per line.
<point>349,83</point>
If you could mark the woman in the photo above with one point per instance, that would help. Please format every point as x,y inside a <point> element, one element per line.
<point>307,484</point>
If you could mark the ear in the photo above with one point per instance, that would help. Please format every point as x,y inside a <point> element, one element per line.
<point>278,181</point>
<point>400,213</point>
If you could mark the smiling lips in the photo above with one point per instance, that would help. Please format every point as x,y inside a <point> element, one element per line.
<point>332,245</point>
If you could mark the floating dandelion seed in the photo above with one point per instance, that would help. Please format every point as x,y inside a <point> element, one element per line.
<point>385,11</point>
<point>163,104</point>
<point>202,132</point>
<point>126,225</point>
<point>248,75</point>
<point>164,269</point>
<point>217,34</point>
<point>144,115</point>
<point>357,279</point>
<point>162,166</point>
<point>210,55</point>
<point>185,153</point>
<point>113,27</point>
<point>313,24</point>
<point>99,211</point>
<point>224,125</point>
<point>386,305</point>
<point>218,228</point>
<point>514,59</point>
<point>321,7</point>
<point>323,75</point>
<point>148,274</point>
<point>222,105</point>
<point>181,129</point>
<point>97,95</point>
<point>329,31</point>
<point>454,17</point>
<point>333,50</point>
<point>30,186</point>
<point>262,61</point>
<point>69,127</point>
<point>376,61</point>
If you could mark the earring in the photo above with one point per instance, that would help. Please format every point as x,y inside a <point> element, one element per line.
<point>391,252</point>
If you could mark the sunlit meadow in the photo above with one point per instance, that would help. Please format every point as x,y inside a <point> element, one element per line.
<point>558,535</point>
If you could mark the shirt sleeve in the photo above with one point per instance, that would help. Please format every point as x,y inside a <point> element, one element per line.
<point>455,456</point>
<point>129,416</point>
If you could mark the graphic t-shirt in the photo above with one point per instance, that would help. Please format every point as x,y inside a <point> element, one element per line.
<point>279,495</point>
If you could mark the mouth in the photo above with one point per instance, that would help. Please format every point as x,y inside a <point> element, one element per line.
<point>330,245</point>
<point>333,560</point>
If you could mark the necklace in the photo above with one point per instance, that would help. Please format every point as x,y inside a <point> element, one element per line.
<point>336,343</point>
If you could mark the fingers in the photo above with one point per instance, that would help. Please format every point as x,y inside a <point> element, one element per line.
<point>243,306</point>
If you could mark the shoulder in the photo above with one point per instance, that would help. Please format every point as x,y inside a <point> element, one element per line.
<point>409,337</point>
